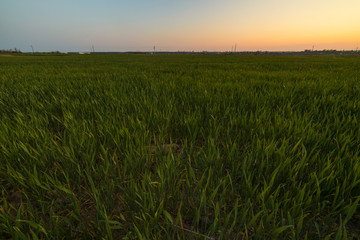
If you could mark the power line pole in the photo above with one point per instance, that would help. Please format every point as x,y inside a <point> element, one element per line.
<point>32,49</point>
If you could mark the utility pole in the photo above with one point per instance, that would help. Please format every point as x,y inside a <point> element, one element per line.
<point>235,47</point>
<point>32,49</point>
<point>154,50</point>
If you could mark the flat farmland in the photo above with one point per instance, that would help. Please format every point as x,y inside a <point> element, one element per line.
<point>179,147</point>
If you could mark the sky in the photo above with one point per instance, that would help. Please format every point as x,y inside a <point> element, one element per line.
<point>179,25</point>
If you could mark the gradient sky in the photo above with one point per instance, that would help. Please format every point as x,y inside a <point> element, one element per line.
<point>171,25</point>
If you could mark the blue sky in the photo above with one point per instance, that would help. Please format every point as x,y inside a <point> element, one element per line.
<point>110,25</point>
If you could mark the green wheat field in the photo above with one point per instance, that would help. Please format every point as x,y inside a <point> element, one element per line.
<point>179,147</point>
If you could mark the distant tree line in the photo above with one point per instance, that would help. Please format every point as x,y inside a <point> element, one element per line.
<point>15,50</point>
<point>18,51</point>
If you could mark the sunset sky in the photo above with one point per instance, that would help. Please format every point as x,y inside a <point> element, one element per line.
<point>213,25</point>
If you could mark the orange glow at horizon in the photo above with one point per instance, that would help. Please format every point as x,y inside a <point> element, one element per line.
<point>285,25</point>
